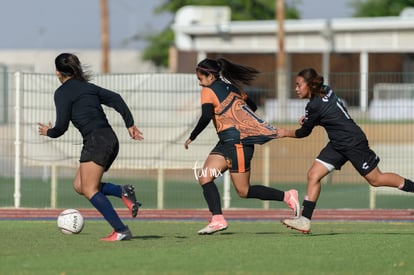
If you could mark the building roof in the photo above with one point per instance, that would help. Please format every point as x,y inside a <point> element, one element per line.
<point>207,29</point>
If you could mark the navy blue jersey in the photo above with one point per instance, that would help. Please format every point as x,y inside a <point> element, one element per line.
<point>329,112</point>
<point>81,103</point>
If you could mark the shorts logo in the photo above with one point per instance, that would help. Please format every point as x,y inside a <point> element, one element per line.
<point>365,166</point>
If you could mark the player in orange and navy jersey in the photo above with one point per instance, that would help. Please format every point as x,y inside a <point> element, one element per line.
<point>239,129</point>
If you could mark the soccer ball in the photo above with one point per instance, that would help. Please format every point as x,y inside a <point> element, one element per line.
<point>70,221</point>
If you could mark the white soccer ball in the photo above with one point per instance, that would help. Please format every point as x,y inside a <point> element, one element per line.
<point>70,221</point>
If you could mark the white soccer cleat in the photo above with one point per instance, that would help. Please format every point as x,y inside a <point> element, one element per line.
<point>218,223</point>
<point>293,202</point>
<point>301,224</point>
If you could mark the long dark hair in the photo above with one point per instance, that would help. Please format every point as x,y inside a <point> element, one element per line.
<point>226,70</point>
<point>69,65</point>
<point>314,81</point>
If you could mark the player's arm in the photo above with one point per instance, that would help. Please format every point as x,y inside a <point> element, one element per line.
<point>63,114</point>
<point>307,124</point>
<point>207,113</point>
<point>114,100</point>
<point>208,99</point>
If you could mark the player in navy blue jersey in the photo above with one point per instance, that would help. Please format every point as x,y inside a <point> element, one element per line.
<point>80,102</point>
<point>347,142</point>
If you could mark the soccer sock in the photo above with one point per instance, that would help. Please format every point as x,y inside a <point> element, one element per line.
<point>408,186</point>
<point>104,206</point>
<point>212,197</point>
<point>308,207</point>
<point>108,188</point>
<point>265,193</point>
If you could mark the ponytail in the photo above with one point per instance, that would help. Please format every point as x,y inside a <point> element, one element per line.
<point>236,74</point>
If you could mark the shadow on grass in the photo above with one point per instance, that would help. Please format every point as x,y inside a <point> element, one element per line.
<point>148,237</point>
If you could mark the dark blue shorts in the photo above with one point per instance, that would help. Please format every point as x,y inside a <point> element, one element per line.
<point>361,156</point>
<point>238,156</point>
<point>100,146</point>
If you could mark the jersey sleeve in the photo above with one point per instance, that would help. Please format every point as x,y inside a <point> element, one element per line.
<point>63,115</point>
<point>208,96</point>
<point>209,102</point>
<point>207,113</point>
<point>114,100</point>
<point>308,124</point>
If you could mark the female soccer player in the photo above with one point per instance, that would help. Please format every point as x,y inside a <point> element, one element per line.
<point>238,129</point>
<point>79,101</point>
<point>347,142</point>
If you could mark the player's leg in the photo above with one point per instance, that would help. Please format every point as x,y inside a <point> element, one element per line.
<point>240,175</point>
<point>77,183</point>
<point>261,192</point>
<point>315,175</point>
<point>91,174</point>
<point>106,158</point>
<point>98,153</point>
<point>214,163</point>
<point>377,178</point>
<point>366,163</point>
<point>125,192</point>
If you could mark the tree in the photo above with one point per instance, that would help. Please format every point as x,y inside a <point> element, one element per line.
<point>157,50</point>
<point>375,8</point>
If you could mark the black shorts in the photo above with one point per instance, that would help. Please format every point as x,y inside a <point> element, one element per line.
<point>361,156</point>
<point>100,146</point>
<point>237,156</point>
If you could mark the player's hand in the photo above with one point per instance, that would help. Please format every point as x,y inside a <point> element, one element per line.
<point>43,128</point>
<point>186,143</point>
<point>301,120</point>
<point>134,133</point>
<point>280,133</point>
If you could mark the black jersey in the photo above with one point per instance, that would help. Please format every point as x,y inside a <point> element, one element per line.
<point>81,103</point>
<point>329,112</point>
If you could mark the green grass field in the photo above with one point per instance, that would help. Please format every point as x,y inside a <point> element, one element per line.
<point>173,247</point>
<point>188,195</point>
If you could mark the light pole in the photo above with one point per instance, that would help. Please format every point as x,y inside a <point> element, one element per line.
<point>281,72</point>
<point>105,36</point>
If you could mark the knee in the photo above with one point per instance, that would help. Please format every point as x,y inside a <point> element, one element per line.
<point>78,188</point>
<point>242,192</point>
<point>204,181</point>
<point>374,182</point>
<point>313,177</point>
<point>375,178</point>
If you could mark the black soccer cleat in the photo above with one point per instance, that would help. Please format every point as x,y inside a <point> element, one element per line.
<point>129,199</point>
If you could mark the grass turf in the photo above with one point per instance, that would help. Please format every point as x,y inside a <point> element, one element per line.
<point>173,247</point>
<point>179,194</point>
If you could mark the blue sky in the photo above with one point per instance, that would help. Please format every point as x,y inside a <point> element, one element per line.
<point>75,24</point>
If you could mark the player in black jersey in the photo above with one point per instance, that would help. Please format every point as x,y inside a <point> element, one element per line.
<point>347,142</point>
<point>79,102</point>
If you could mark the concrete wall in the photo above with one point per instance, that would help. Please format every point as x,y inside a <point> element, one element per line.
<point>42,61</point>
